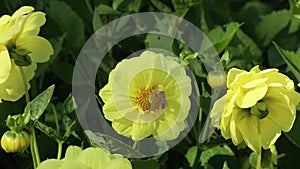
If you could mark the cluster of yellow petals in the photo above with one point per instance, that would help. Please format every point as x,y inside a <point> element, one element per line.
<point>19,34</point>
<point>257,107</point>
<point>147,96</point>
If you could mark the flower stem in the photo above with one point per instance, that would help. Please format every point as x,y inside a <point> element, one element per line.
<point>258,160</point>
<point>32,151</point>
<point>134,146</point>
<point>60,143</point>
<point>25,85</point>
<point>35,146</point>
<point>33,143</point>
<point>56,118</point>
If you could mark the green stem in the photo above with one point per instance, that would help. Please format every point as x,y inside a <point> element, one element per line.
<point>56,118</point>
<point>89,6</point>
<point>25,85</point>
<point>258,160</point>
<point>134,146</point>
<point>60,144</point>
<point>32,151</point>
<point>33,143</point>
<point>35,146</point>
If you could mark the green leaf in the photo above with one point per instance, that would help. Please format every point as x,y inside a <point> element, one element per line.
<point>160,6</point>
<point>295,8</point>
<point>110,143</point>
<point>69,130</point>
<point>49,131</point>
<point>107,10</point>
<point>220,38</point>
<point>196,65</point>
<point>159,41</point>
<point>225,165</point>
<point>145,164</point>
<point>271,25</point>
<point>293,134</point>
<point>292,60</point>
<point>64,71</point>
<point>294,26</point>
<point>97,23</point>
<point>57,44</point>
<point>274,58</point>
<point>206,155</point>
<point>191,155</point>
<point>69,105</point>
<point>127,5</point>
<point>37,106</point>
<point>68,22</point>
<point>250,46</point>
<point>218,150</point>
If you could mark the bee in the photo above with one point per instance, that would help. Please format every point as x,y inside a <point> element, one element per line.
<point>157,100</point>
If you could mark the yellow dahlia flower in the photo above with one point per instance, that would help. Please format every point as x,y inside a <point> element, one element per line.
<point>258,106</point>
<point>20,47</point>
<point>147,95</point>
<point>90,158</point>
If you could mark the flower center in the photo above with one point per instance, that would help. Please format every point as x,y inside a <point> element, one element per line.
<point>151,100</point>
<point>260,110</point>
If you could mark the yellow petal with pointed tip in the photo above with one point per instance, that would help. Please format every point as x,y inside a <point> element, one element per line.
<point>5,64</point>
<point>40,48</point>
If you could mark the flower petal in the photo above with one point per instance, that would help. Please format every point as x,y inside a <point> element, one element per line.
<point>22,11</point>
<point>168,127</point>
<point>142,130</point>
<point>249,128</point>
<point>171,133</point>
<point>236,135</point>
<point>232,73</point>
<point>119,163</point>
<point>217,110</point>
<point>13,89</point>
<point>280,111</point>
<point>122,126</point>
<point>51,164</point>
<point>39,47</point>
<point>276,79</point>
<point>251,97</point>
<point>270,132</point>
<point>33,23</point>
<point>72,153</point>
<point>8,33</point>
<point>94,158</point>
<point>5,64</point>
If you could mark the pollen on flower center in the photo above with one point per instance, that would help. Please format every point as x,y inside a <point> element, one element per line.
<point>151,100</point>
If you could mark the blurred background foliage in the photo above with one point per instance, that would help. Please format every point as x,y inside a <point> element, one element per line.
<point>245,33</point>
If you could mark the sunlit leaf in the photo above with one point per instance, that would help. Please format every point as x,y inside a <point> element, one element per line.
<point>38,105</point>
<point>295,8</point>
<point>271,25</point>
<point>107,10</point>
<point>292,60</point>
<point>161,6</point>
<point>220,38</point>
<point>127,5</point>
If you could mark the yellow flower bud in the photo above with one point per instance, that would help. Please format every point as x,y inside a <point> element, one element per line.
<point>216,79</point>
<point>13,142</point>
